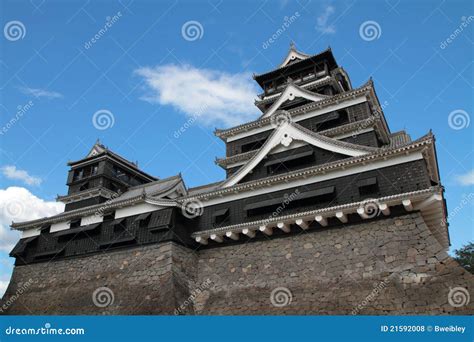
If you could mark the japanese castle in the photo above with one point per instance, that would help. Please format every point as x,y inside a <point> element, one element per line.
<point>320,159</point>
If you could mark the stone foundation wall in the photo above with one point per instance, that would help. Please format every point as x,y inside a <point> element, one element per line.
<point>389,266</point>
<point>144,280</point>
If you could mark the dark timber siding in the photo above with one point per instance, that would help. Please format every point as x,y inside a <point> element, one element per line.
<point>391,180</point>
<point>162,225</point>
<point>355,113</point>
<point>321,156</point>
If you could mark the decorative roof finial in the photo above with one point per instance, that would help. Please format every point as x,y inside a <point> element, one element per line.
<point>97,142</point>
<point>292,45</point>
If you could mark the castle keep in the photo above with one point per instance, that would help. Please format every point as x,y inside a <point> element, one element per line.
<point>323,210</point>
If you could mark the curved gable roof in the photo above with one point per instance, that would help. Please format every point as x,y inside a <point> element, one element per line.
<point>284,135</point>
<point>291,92</point>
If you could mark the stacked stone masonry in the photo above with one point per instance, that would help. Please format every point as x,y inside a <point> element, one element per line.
<point>385,266</point>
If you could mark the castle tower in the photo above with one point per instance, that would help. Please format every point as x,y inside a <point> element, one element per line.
<point>100,176</point>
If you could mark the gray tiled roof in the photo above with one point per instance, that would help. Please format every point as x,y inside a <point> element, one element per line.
<point>399,138</point>
<point>150,189</point>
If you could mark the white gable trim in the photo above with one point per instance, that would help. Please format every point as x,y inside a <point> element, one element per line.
<point>290,93</point>
<point>284,135</point>
<point>136,210</point>
<point>87,220</point>
<point>57,227</point>
<point>297,144</point>
<point>30,233</point>
<point>310,114</point>
<point>292,55</point>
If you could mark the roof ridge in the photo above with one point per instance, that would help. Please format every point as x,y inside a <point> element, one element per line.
<point>259,120</point>
<point>281,67</point>
<point>178,176</point>
<point>335,141</point>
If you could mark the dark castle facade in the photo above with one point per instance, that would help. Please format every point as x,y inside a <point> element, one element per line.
<point>323,211</point>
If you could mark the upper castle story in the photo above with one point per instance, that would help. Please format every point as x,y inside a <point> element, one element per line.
<point>314,93</point>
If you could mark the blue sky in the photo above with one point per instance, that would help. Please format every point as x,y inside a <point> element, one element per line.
<point>162,76</point>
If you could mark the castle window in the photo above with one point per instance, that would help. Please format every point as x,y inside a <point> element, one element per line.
<point>45,229</point>
<point>291,162</point>
<point>143,220</point>
<point>75,223</point>
<point>368,186</point>
<point>78,174</point>
<point>220,217</point>
<point>279,205</point>
<point>109,216</point>
<point>334,119</point>
<point>84,186</point>
<point>252,145</point>
<point>119,225</point>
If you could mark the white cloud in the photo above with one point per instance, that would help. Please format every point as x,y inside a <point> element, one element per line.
<point>210,96</point>
<point>37,92</point>
<point>11,172</point>
<point>466,179</point>
<point>322,20</point>
<point>3,286</point>
<point>18,204</point>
